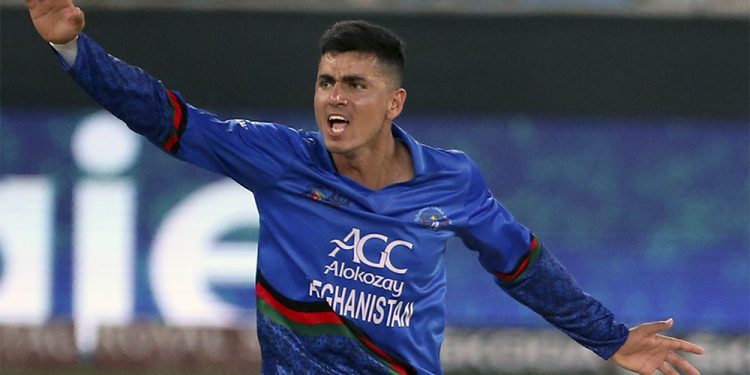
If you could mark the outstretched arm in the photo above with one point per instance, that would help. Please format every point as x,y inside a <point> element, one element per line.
<point>128,92</point>
<point>56,21</point>
<point>534,277</point>
<point>646,351</point>
<point>248,154</point>
<point>554,294</point>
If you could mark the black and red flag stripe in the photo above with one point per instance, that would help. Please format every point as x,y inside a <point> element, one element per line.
<point>522,265</point>
<point>318,318</point>
<point>179,121</point>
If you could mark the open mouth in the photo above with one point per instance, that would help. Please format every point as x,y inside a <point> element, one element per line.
<point>337,123</point>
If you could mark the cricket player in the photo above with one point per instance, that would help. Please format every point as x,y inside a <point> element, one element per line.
<point>354,217</point>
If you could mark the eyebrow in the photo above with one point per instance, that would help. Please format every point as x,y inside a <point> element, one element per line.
<point>346,78</point>
<point>354,78</point>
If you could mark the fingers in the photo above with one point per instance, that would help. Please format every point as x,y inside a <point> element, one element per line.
<point>650,367</point>
<point>681,364</point>
<point>683,346</point>
<point>649,329</point>
<point>673,343</point>
<point>673,363</point>
<point>78,17</point>
<point>42,7</point>
<point>666,369</point>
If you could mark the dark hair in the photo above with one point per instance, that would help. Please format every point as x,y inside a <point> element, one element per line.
<point>363,36</point>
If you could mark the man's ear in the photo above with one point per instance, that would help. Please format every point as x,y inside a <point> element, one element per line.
<point>396,104</point>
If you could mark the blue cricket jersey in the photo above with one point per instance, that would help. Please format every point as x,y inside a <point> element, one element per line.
<point>350,280</point>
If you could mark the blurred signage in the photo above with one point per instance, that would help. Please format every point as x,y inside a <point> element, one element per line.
<point>99,230</point>
<point>511,351</point>
<point>145,346</point>
<point>185,259</point>
<point>50,346</point>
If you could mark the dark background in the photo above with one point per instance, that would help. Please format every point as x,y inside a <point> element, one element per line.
<point>549,64</point>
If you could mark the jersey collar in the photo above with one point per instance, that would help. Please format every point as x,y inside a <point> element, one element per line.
<point>415,148</point>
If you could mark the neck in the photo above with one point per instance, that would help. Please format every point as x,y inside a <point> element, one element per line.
<point>376,170</point>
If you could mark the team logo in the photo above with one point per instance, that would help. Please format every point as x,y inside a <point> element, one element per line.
<point>356,242</point>
<point>324,194</point>
<point>432,217</point>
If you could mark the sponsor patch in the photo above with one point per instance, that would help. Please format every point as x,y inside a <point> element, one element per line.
<point>325,194</point>
<point>432,217</point>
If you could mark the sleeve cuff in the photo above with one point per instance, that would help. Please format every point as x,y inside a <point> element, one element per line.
<point>68,51</point>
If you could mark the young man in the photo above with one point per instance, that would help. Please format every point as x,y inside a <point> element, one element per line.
<point>354,217</point>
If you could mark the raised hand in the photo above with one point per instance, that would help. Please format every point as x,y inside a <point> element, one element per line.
<point>646,351</point>
<point>56,21</point>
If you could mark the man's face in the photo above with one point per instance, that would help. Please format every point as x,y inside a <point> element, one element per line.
<point>356,99</point>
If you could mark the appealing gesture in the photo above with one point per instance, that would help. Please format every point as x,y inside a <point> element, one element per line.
<point>56,21</point>
<point>646,351</point>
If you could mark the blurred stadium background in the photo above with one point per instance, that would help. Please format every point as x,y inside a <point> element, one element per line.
<point>617,129</point>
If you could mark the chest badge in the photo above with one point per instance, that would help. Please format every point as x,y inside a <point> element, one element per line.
<point>433,217</point>
<point>325,194</point>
